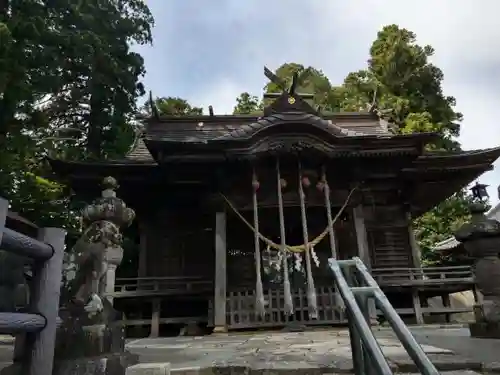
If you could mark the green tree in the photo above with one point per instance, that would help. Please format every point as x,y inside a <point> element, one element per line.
<point>64,65</point>
<point>101,76</point>
<point>247,104</point>
<point>174,106</point>
<point>408,88</point>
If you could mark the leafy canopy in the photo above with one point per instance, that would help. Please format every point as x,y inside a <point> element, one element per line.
<point>68,88</point>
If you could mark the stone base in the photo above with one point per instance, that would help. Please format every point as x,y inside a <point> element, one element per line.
<point>110,364</point>
<point>485,330</point>
<point>220,329</point>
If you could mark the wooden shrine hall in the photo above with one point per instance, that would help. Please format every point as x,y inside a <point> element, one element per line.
<point>238,214</point>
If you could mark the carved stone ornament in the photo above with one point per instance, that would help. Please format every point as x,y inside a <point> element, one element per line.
<point>109,207</point>
<point>481,239</point>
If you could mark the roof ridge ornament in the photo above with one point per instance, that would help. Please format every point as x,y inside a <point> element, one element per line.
<point>288,100</point>
<point>291,90</point>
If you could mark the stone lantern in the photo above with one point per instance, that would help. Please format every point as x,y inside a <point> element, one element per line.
<point>109,209</point>
<point>481,239</point>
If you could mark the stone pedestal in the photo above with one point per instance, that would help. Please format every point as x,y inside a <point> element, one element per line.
<point>485,330</point>
<point>106,364</point>
<point>482,328</point>
<point>88,346</point>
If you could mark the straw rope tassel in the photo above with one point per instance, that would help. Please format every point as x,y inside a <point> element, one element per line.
<point>259,290</point>
<point>286,278</point>
<point>333,245</point>
<point>311,290</point>
<point>293,249</point>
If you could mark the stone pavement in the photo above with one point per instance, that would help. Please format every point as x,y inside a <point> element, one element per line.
<point>313,352</point>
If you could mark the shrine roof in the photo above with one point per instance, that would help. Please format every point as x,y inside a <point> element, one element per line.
<point>192,130</point>
<point>288,124</point>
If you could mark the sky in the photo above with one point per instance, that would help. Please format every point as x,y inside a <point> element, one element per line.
<point>209,52</point>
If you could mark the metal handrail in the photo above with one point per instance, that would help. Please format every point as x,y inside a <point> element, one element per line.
<point>367,354</point>
<point>41,321</point>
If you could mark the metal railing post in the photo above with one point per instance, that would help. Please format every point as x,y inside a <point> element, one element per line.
<point>358,355</point>
<point>377,357</point>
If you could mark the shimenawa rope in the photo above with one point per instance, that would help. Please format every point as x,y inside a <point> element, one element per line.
<point>293,249</point>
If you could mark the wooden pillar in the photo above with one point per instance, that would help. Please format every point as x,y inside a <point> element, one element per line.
<point>143,251</point>
<point>45,301</point>
<point>220,273</point>
<point>155,318</point>
<point>445,298</point>
<point>361,235</point>
<point>364,252</point>
<point>419,317</point>
<point>416,254</point>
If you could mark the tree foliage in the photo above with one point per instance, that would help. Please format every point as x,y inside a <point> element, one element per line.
<point>247,104</point>
<point>174,106</point>
<point>68,87</point>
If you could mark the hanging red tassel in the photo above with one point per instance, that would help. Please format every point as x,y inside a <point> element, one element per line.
<point>306,182</point>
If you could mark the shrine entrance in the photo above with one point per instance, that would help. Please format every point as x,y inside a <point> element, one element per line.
<point>241,309</point>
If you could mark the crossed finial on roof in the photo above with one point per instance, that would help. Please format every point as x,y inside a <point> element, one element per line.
<point>296,80</point>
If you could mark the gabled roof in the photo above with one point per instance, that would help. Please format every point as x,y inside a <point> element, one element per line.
<point>204,129</point>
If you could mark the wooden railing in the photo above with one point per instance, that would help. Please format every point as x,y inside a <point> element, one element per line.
<point>179,285</point>
<point>161,286</point>
<point>41,321</point>
<point>423,276</point>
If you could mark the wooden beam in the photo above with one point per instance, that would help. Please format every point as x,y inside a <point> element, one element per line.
<point>220,273</point>
<point>11,322</point>
<point>143,250</point>
<point>361,235</point>
<point>364,252</point>
<point>45,301</point>
<point>155,318</point>
<point>416,253</point>
<point>419,317</point>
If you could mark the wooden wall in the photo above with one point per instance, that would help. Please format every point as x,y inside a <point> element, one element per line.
<point>179,242</point>
<point>388,237</point>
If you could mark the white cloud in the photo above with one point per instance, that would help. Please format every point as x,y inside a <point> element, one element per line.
<point>220,96</point>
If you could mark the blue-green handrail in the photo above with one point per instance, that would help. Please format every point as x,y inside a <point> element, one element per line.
<point>367,354</point>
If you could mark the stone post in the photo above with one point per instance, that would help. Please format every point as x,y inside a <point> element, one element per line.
<point>114,256</point>
<point>481,239</point>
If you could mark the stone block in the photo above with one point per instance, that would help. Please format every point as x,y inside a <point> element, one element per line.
<point>149,369</point>
<point>443,363</point>
<point>485,330</point>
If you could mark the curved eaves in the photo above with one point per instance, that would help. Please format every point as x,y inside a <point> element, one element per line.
<point>247,131</point>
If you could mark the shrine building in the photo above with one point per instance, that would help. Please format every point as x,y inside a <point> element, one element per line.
<point>238,214</point>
